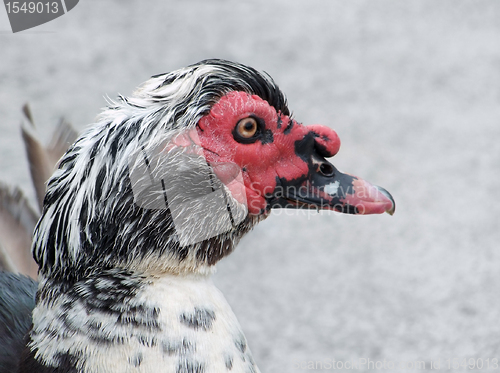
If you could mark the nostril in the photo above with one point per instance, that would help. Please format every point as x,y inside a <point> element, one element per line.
<point>326,169</point>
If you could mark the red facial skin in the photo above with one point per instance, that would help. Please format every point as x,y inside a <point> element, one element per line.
<point>262,161</point>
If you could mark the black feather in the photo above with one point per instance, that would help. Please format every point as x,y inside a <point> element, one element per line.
<point>17,300</point>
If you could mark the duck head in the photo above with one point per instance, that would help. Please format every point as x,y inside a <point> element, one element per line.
<point>282,162</point>
<point>171,178</point>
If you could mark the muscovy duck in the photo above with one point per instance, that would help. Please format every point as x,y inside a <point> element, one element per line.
<point>149,199</point>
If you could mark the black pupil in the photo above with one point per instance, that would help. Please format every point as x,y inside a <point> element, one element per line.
<point>249,125</point>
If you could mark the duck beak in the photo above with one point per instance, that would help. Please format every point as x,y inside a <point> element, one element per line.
<point>326,188</point>
<point>335,191</point>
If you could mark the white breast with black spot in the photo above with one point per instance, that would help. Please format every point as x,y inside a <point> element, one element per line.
<point>180,324</point>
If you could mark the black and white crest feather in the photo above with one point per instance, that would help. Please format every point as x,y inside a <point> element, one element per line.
<point>90,222</point>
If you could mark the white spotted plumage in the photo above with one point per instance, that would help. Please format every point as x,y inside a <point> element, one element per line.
<point>172,341</point>
<point>114,282</point>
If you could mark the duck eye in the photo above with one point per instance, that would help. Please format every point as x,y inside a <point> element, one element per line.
<point>247,127</point>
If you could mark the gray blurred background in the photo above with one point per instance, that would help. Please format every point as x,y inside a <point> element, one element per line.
<point>413,90</point>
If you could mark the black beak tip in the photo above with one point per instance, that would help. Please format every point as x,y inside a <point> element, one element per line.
<point>388,195</point>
